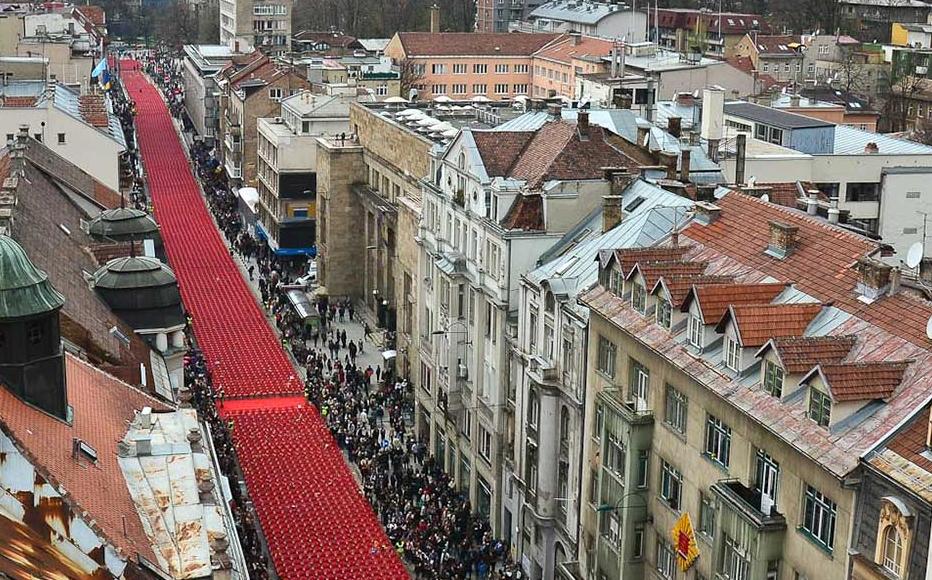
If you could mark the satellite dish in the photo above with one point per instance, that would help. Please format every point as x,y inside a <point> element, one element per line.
<point>765,198</point>
<point>929,328</point>
<point>914,255</point>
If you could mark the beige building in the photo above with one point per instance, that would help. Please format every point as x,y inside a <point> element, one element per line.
<point>247,25</point>
<point>69,62</point>
<point>737,373</point>
<point>11,30</point>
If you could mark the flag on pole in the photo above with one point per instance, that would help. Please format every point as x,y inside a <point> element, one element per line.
<point>105,80</point>
<point>100,68</point>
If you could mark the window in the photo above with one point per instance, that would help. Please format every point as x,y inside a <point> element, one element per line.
<point>640,381</point>
<point>548,341</point>
<point>638,297</point>
<point>521,68</point>
<point>717,440</point>
<point>666,559</point>
<point>892,551</point>
<point>459,89</point>
<point>773,378</point>
<point>532,330</point>
<point>530,459</point>
<point>480,69</point>
<point>819,518</point>
<point>459,69</point>
<point>501,68</point>
<point>614,456</point>
<point>519,89</point>
<point>735,563</point>
<point>732,354</point>
<point>676,409</point>
<point>34,333</point>
<point>480,89</point>
<point>501,89</point>
<point>767,475</point>
<point>671,485</point>
<point>606,357</point>
<point>485,444</point>
<point>438,89</point>
<point>642,468</point>
<point>275,93</point>
<point>637,544</point>
<point>599,421</point>
<point>823,49</point>
<point>438,69</point>
<point>533,410</point>
<point>810,68</point>
<point>765,67</point>
<point>820,407</point>
<point>695,331</point>
<point>466,428</point>
<point>568,370</point>
<point>61,138</point>
<point>706,516</point>
<point>786,67</point>
<point>863,192</point>
<point>664,311</point>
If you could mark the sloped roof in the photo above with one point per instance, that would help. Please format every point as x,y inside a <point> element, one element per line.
<point>862,381</point>
<point>686,18</point>
<point>102,407</point>
<point>714,299</point>
<point>758,323</point>
<point>526,213</point>
<point>583,12</point>
<point>94,14</point>
<point>567,48</point>
<point>333,39</point>
<point>654,271</point>
<point>775,45</point>
<point>799,354</point>
<point>472,43</point>
<point>679,285</point>
<point>92,110</point>
<point>627,258</point>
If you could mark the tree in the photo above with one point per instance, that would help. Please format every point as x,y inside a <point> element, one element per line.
<point>851,74</point>
<point>410,75</point>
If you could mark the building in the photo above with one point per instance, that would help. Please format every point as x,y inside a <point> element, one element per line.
<point>81,128</point>
<point>847,64</point>
<point>779,57</point>
<point>246,25</point>
<point>375,74</point>
<point>11,29</point>
<point>249,91</point>
<point>894,511</point>
<point>201,93</point>
<point>916,35</point>
<point>330,43</point>
<point>555,66</point>
<point>872,20</point>
<point>492,16</point>
<point>548,364</point>
<point>461,66</point>
<point>590,18</point>
<point>287,166</point>
<point>716,34</point>
<point>737,372</point>
<point>842,110</point>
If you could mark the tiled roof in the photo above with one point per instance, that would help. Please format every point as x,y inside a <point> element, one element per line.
<point>746,65</point>
<point>653,271</point>
<point>628,257</point>
<point>19,102</point>
<point>821,265</point>
<point>775,45</point>
<point>526,213</point>
<point>500,150</point>
<point>418,44</point>
<point>678,286</point>
<point>785,193</point>
<point>94,14</point>
<point>863,381</point>
<point>799,354</point>
<point>910,443</point>
<point>94,109</point>
<point>102,406</point>
<point>566,49</point>
<point>686,18</point>
<point>758,323</point>
<point>714,299</point>
<point>261,75</point>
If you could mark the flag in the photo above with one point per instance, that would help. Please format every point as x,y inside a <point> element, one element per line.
<point>101,67</point>
<point>105,80</point>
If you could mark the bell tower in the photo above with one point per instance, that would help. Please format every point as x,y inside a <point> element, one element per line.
<point>31,355</point>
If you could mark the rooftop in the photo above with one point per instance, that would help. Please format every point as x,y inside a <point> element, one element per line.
<point>731,22</point>
<point>418,44</point>
<point>771,116</point>
<point>440,122</point>
<point>568,48</point>
<point>851,141</point>
<point>582,12</point>
<point>777,45</point>
<point>905,457</point>
<point>92,109</point>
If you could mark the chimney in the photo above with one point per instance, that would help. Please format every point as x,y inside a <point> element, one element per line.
<point>684,165</point>
<point>611,212</point>
<point>812,203</point>
<point>435,19</point>
<point>668,160</point>
<point>705,212</point>
<point>575,37</point>
<point>675,126</point>
<point>741,145</point>
<point>782,239</point>
<point>871,148</point>
<point>619,178</point>
<point>555,109</point>
<point>874,279</point>
<point>643,132</point>
<point>833,211</point>
<point>582,123</point>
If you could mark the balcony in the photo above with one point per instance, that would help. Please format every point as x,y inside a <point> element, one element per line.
<point>543,372</point>
<point>746,503</point>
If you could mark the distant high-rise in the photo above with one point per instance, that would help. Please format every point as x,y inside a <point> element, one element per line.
<point>245,24</point>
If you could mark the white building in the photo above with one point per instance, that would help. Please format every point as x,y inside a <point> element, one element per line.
<point>246,25</point>
<point>201,94</point>
<point>603,19</point>
<point>549,362</point>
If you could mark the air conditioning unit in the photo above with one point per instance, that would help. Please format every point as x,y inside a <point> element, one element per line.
<point>921,70</point>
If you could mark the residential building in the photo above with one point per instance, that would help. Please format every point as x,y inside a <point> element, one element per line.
<point>732,383</point>
<point>246,25</point>
<point>249,92</point>
<point>330,43</point>
<point>461,66</point>
<point>779,57</point>
<point>375,74</point>
<point>81,128</point>
<point>11,28</point>
<point>494,202</point>
<point>915,35</point>
<point>287,166</point>
<point>548,362</point>
<point>682,29</point>
<point>555,66</point>
<point>201,93</point>
<point>69,60</point>
<point>497,16</point>
<point>24,68</point>
<point>588,17</point>
<point>846,64</point>
<point>872,20</point>
<point>894,508</point>
<point>842,110</point>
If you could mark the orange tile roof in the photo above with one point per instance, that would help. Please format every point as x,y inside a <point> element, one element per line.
<point>94,14</point>
<point>758,323</point>
<point>775,44</point>
<point>801,354</point>
<point>102,406</point>
<point>526,213</point>
<point>863,381</point>
<point>93,109</point>
<point>653,271</point>
<point>678,287</point>
<point>628,257</point>
<point>566,49</point>
<point>910,443</point>
<point>715,299</point>
<point>19,102</point>
<point>465,44</point>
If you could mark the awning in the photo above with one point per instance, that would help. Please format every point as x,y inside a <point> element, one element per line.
<point>312,251</point>
<point>301,304</point>
<point>250,195</point>
<point>389,354</point>
<point>261,234</point>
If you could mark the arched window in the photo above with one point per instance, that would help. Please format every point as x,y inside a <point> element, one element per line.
<point>892,550</point>
<point>549,302</point>
<point>461,163</point>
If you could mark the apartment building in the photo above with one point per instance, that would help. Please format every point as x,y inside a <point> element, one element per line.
<point>497,15</point>
<point>872,20</point>
<point>779,57</point>
<point>201,93</point>
<point>461,66</point>
<point>592,18</point>
<point>738,370</point>
<point>682,29</point>
<point>555,66</point>
<point>548,365</point>
<point>246,25</point>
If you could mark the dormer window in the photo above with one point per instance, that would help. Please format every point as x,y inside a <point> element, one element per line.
<point>773,378</point>
<point>639,297</point>
<point>695,331</point>
<point>732,354</point>
<point>664,313</point>
<point>820,407</point>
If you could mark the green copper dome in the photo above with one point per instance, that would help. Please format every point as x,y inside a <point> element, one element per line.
<point>122,224</point>
<point>24,289</point>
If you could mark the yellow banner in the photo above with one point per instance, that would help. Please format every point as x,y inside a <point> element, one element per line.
<point>684,542</point>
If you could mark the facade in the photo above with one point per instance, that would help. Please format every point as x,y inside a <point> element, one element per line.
<point>70,61</point>
<point>246,25</point>
<point>492,16</point>
<point>201,94</point>
<point>714,379</point>
<point>916,35</point>
<point>847,64</point>
<point>778,57</point>
<point>850,111</point>
<point>872,20</point>
<point>684,29</point>
<point>555,66</point>
<point>461,66</point>
<point>374,74</point>
<point>589,18</point>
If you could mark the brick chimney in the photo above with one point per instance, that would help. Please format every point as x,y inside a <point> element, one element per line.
<point>619,178</point>
<point>705,213</point>
<point>684,165</point>
<point>612,213</point>
<point>668,160</point>
<point>871,148</point>
<point>675,126</point>
<point>874,279</point>
<point>582,123</point>
<point>435,19</point>
<point>782,239</point>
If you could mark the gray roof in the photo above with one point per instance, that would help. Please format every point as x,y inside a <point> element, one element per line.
<point>374,44</point>
<point>573,268</point>
<point>67,101</point>
<point>579,12</point>
<point>771,116</point>
<point>851,141</point>
<point>23,89</point>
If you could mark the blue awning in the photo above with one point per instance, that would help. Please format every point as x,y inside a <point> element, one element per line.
<point>312,251</point>
<point>261,233</point>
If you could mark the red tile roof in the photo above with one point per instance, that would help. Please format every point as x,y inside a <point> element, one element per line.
<point>568,48</point>
<point>746,65</point>
<point>466,44</point>
<point>800,354</point>
<point>102,407</point>
<point>628,257</point>
<point>94,14</point>
<point>863,381</point>
<point>785,193</point>
<point>715,299</point>
<point>678,286</point>
<point>910,443</point>
<point>776,45</point>
<point>653,271</point>
<point>19,102</point>
<point>758,323</point>
<point>502,148</point>
<point>93,109</point>
<point>526,213</point>
<point>686,19</point>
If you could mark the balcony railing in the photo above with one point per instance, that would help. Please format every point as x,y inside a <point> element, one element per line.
<point>748,503</point>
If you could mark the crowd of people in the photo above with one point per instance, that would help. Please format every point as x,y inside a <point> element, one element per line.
<point>430,522</point>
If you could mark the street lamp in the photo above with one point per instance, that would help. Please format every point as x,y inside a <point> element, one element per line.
<point>616,507</point>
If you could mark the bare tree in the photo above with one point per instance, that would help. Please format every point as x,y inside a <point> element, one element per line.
<point>899,96</point>
<point>410,75</point>
<point>851,74</point>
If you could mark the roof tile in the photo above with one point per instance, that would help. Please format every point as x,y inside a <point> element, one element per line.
<point>801,354</point>
<point>758,323</point>
<point>526,213</point>
<point>472,43</point>
<point>715,299</point>
<point>863,381</point>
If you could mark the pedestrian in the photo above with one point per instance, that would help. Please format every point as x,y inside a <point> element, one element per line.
<point>252,269</point>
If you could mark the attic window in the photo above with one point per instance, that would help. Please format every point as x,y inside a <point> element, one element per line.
<point>773,378</point>
<point>820,407</point>
<point>80,448</point>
